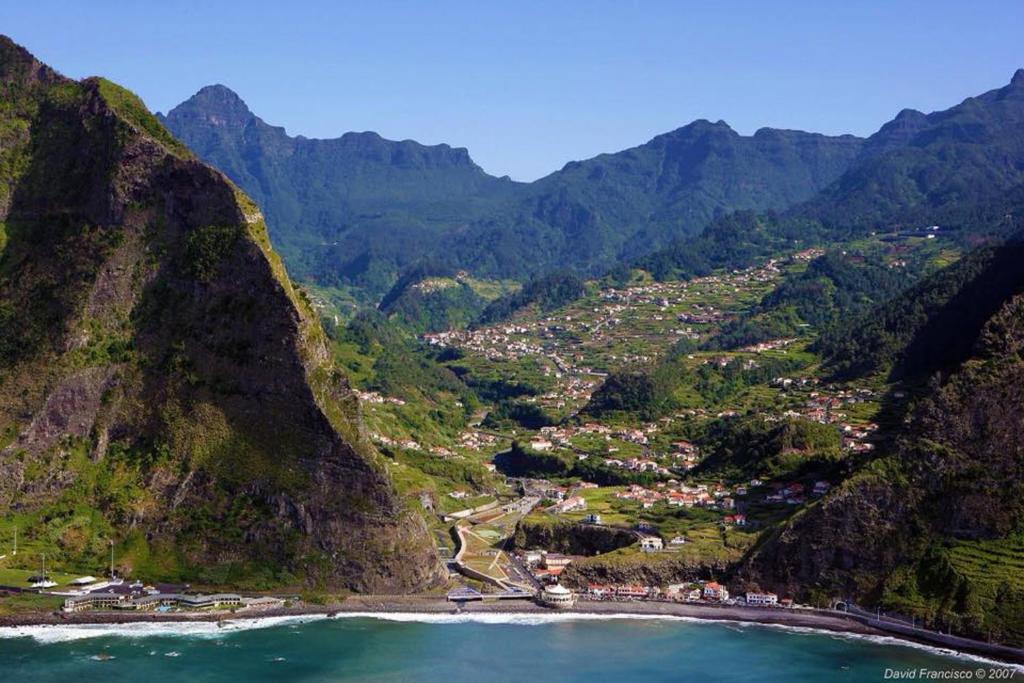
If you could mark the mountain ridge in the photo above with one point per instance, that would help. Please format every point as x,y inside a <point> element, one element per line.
<point>586,215</point>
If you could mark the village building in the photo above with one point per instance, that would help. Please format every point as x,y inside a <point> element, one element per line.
<point>650,544</point>
<point>762,599</point>
<point>571,504</point>
<point>715,591</point>
<point>557,596</point>
<point>555,561</point>
<point>631,591</point>
<point>128,601</point>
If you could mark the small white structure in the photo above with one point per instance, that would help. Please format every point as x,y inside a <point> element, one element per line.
<point>83,581</point>
<point>592,518</point>
<point>533,556</point>
<point>762,599</point>
<point>557,596</point>
<point>650,544</point>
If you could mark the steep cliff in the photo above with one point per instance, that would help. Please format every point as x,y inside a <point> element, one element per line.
<point>935,525</point>
<point>162,384</point>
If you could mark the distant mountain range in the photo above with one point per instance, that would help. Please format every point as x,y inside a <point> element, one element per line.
<point>359,209</point>
<point>933,167</point>
<point>961,169</point>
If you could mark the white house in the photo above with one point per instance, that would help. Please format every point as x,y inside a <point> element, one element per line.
<point>762,599</point>
<point>650,544</point>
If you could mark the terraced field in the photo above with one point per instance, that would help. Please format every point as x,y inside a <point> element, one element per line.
<point>991,563</point>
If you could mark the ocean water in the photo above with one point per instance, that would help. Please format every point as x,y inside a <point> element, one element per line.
<point>481,649</point>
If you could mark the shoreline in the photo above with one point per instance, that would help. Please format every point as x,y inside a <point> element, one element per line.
<point>837,623</point>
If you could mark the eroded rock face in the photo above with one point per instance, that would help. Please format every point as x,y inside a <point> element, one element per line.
<point>571,538</point>
<point>148,324</point>
<point>847,543</point>
<point>644,571</point>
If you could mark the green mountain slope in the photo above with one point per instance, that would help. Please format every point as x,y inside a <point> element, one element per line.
<point>350,210</point>
<point>162,384</point>
<point>924,168</point>
<point>594,214</point>
<point>933,525</point>
<point>932,326</point>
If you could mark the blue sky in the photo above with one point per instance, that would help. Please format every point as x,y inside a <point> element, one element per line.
<point>528,86</point>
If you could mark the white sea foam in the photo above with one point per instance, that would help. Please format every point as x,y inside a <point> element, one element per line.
<point>144,629</point>
<point>554,617</point>
<point>207,629</point>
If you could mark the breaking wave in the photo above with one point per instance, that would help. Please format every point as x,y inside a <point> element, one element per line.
<point>50,634</point>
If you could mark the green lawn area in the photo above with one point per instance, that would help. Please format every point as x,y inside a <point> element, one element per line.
<point>19,577</point>
<point>602,501</point>
<point>20,603</point>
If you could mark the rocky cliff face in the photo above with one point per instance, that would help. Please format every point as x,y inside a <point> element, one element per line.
<point>571,538</point>
<point>655,569</point>
<point>161,381</point>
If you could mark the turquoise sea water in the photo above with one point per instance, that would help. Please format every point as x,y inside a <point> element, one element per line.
<point>495,650</point>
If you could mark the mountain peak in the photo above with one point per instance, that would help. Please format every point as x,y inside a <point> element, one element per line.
<point>19,65</point>
<point>1018,79</point>
<point>218,91</point>
<point>910,115</point>
<point>217,105</point>
<point>703,125</point>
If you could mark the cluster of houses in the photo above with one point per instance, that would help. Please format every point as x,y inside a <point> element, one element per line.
<point>574,391</point>
<point>600,325</point>
<point>638,465</point>
<point>408,444</point>
<point>704,591</point>
<point>504,342</point>
<point>683,456</point>
<point>562,435</point>
<point>825,407</point>
<point>476,440</point>
<point>676,494</point>
<point>374,397</point>
<point>770,345</point>
<point>544,566</point>
<point>795,493</point>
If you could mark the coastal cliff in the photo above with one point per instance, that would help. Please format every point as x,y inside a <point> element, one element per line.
<point>162,383</point>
